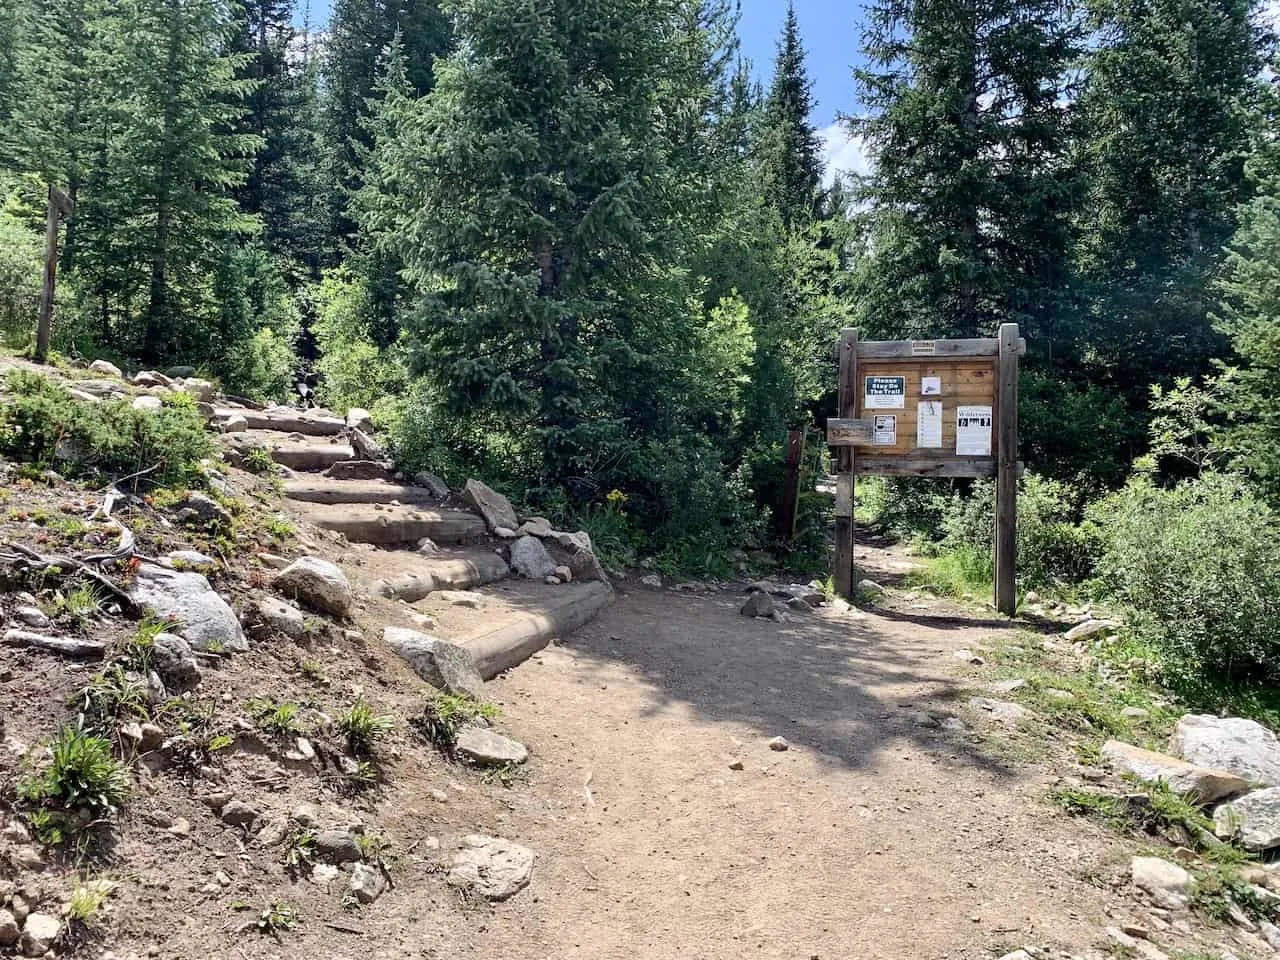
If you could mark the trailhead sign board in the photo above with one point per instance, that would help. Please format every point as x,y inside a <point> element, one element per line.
<point>928,408</point>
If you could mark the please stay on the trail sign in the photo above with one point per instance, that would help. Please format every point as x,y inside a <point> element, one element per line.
<point>954,413</point>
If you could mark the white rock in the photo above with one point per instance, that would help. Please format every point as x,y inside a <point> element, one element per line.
<point>779,744</point>
<point>104,366</point>
<point>1000,710</point>
<point>492,867</point>
<point>39,934</point>
<point>150,378</point>
<point>1017,955</point>
<point>359,418</point>
<point>439,489</point>
<point>444,665</point>
<point>582,558</point>
<point>200,389</point>
<point>148,403</point>
<point>236,423</point>
<point>529,559</point>
<point>968,656</point>
<point>190,559</point>
<point>870,586</point>
<point>491,505</point>
<point>33,617</point>
<point>486,747</point>
<point>1167,883</point>
<point>652,580</point>
<point>1089,628</point>
<point>1243,747</point>
<point>1270,933</point>
<point>281,617</point>
<point>460,598</point>
<point>564,574</point>
<point>367,882</point>
<point>1007,686</point>
<point>1203,783</point>
<point>200,616</point>
<point>1253,820</point>
<point>317,584</point>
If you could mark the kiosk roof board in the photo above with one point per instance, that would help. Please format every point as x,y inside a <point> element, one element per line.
<point>928,408</point>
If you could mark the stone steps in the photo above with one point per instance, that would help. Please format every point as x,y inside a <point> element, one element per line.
<point>418,577</point>
<point>394,526</point>
<point>314,490</point>
<point>507,639</point>
<point>283,420</point>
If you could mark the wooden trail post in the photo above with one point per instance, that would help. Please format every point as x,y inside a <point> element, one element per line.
<point>847,358</point>
<point>1007,471</point>
<point>60,205</point>
<point>929,408</point>
<point>791,489</point>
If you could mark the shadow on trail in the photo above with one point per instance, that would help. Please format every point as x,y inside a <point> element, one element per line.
<point>836,685</point>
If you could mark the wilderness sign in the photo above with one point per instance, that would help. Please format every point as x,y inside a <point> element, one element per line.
<point>956,415</point>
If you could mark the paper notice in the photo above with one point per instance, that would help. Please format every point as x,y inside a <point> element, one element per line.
<point>885,393</point>
<point>929,423</point>
<point>973,431</point>
<point>930,386</point>
<point>885,431</point>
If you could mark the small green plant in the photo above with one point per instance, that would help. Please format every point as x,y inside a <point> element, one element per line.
<point>366,775</point>
<point>87,898</point>
<point>277,917</point>
<point>81,787</point>
<point>364,728</point>
<point>258,460</point>
<point>300,850</point>
<point>447,713</point>
<point>373,847</point>
<point>137,648</point>
<point>112,695</point>
<point>1221,887</point>
<point>313,671</point>
<point>278,719</point>
<point>220,742</point>
<point>216,647</point>
<point>76,606</point>
<point>507,774</point>
<point>280,528</point>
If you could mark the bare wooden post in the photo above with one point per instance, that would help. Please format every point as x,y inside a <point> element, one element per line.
<point>791,488</point>
<point>60,205</point>
<point>1007,471</point>
<point>842,566</point>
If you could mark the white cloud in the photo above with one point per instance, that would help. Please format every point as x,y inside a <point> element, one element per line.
<point>842,152</point>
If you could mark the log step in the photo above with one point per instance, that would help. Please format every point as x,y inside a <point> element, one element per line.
<point>307,490</point>
<point>280,420</point>
<point>422,576</point>
<point>391,526</point>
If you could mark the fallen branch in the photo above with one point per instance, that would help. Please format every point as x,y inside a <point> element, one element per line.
<point>27,559</point>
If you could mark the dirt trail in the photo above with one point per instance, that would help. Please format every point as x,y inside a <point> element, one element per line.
<point>871,837</point>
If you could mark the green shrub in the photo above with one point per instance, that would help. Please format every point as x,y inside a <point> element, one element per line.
<point>1052,547</point>
<point>21,270</point>
<point>1198,566</point>
<point>82,785</point>
<point>41,423</point>
<point>355,371</point>
<point>364,728</point>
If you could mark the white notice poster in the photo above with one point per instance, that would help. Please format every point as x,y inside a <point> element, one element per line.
<point>885,431</point>
<point>929,423</point>
<point>931,386</point>
<point>885,393</point>
<point>973,431</point>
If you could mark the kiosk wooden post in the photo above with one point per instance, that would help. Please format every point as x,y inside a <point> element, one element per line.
<point>843,576</point>
<point>929,408</point>
<point>1007,471</point>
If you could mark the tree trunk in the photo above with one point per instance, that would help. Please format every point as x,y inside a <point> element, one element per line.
<point>158,310</point>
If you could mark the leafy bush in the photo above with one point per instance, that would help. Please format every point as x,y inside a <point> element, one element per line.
<point>1052,547</point>
<point>83,784</point>
<point>1198,566</point>
<point>251,349</point>
<point>354,371</point>
<point>42,424</point>
<point>21,259</point>
<point>364,728</point>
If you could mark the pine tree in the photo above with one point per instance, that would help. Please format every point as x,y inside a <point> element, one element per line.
<point>359,34</point>
<point>12,17</point>
<point>1166,107</point>
<point>972,193</point>
<point>545,217</point>
<point>790,154</point>
<point>184,162</point>
<point>1249,313</point>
